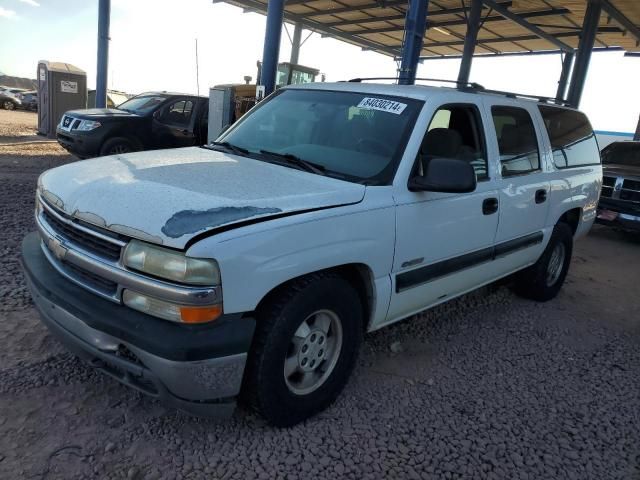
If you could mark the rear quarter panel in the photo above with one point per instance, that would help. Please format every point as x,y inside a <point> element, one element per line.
<point>570,188</point>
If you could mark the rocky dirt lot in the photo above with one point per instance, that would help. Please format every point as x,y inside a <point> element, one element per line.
<point>488,386</point>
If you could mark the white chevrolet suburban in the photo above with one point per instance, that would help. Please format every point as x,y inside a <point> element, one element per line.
<point>251,267</point>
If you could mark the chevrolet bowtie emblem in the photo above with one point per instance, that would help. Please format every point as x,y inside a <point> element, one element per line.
<point>57,248</point>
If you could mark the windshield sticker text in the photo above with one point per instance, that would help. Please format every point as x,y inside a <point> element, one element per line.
<point>383,105</point>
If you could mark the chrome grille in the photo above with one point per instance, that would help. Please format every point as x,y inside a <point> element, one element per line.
<point>619,188</point>
<point>607,186</point>
<point>91,243</point>
<point>92,280</point>
<point>630,191</point>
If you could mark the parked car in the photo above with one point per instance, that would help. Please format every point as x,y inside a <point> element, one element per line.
<point>28,100</point>
<point>619,204</point>
<point>9,98</point>
<point>254,265</point>
<point>148,121</point>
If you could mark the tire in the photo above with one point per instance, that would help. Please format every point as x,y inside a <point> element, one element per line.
<point>284,398</point>
<point>543,280</point>
<point>117,145</point>
<point>8,105</point>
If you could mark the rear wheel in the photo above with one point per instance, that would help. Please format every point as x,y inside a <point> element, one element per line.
<point>543,280</point>
<point>8,105</point>
<point>117,145</point>
<point>306,344</point>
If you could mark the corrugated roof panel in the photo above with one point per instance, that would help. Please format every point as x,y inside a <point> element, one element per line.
<point>371,24</point>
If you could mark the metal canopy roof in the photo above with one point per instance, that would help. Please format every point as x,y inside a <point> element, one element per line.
<point>517,26</point>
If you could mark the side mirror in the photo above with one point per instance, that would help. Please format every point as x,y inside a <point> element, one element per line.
<point>446,175</point>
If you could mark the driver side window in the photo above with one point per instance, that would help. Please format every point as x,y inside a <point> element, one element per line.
<point>456,132</point>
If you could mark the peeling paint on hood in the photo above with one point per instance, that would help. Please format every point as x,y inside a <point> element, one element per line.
<point>169,196</point>
<point>192,221</point>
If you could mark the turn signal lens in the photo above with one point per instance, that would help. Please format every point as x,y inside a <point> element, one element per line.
<point>170,311</point>
<point>200,314</point>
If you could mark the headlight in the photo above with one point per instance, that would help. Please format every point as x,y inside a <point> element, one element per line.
<point>170,265</point>
<point>88,125</point>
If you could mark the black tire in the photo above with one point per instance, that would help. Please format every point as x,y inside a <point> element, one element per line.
<point>8,105</point>
<point>265,388</point>
<point>117,145</point>
<point>537,282</point>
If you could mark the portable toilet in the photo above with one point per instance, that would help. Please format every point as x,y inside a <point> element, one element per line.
<point>61,87</point>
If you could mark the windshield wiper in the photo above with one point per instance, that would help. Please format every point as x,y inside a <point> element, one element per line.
<point>297,161</point>
<point>230,146</point>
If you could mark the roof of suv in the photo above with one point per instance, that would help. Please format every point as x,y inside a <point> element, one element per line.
<point>418,92</point>
<point>169,94</point>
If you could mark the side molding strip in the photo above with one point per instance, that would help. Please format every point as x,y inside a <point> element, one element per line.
<point>422,275</point>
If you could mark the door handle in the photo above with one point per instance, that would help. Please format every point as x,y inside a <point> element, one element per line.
<point>541,196</point>
<point>185,132</point>
<point>489,206</point>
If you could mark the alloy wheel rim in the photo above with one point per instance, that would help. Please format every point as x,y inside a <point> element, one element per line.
<point>556,263</point>
<point>120,149</point>
<point>313,352</point>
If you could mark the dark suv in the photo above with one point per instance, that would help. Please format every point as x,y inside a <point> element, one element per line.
<point>148,121</point>
<point>620,198</point>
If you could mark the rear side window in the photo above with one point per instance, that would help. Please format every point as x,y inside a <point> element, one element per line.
<point>517,141</point>
<point>178,113</point>
<point>572,139</point>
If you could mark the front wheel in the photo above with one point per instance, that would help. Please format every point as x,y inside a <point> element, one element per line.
<point>542,281</point>
<point>8,105</point>
<point>117,145</point>
<point>306,344</point>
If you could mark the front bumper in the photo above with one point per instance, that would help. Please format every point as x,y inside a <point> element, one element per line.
<point>82,145</point>
<point>627,218</point>
<point>197,369</point>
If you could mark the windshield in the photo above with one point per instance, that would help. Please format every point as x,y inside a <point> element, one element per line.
<point>142,103</point>
<point>623,153</point>
<point>354,136</point>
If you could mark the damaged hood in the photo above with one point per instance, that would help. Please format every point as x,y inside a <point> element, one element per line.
<point>169,196</point>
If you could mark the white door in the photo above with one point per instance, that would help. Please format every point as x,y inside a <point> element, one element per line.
<point>524,188</point>
<point>443,240</point>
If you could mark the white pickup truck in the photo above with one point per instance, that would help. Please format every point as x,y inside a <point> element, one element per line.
<point>251,267</point>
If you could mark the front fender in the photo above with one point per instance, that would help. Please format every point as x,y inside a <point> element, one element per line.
<point>256,259</point>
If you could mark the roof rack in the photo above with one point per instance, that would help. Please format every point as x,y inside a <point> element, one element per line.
<point>539,98</point>
<point>473,87</point>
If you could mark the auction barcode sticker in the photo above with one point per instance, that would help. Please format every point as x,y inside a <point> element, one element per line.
<point>383,105</point>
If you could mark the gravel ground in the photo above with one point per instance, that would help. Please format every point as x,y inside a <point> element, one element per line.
<point>488,386</point>
<point>18,126</point>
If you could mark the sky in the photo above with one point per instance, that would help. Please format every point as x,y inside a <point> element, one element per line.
<point>153,48</point>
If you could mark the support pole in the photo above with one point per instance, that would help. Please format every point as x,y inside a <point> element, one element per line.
<point>295,44</point>
<point>567,63</point>
<point>587,40</point>
<point>470,40</point>
<point>104,14</point>
<point>271,52</point>
<point>414,28</point>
